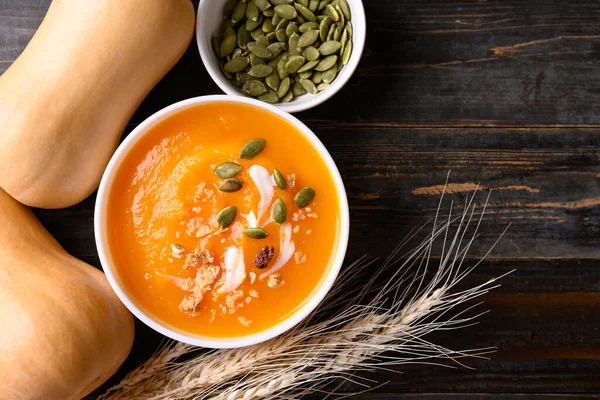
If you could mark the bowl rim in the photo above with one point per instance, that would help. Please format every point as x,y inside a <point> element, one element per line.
<point>358,44</point>
<point>101,237</point>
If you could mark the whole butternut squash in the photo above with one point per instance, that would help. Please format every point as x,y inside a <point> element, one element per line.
<point>66,100</point>
<point>63,331</point>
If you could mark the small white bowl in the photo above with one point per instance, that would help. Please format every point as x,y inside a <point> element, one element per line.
<point>101,222</point>
<point>208,21</point>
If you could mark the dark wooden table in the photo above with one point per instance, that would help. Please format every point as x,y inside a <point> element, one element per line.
<point>501,92</point>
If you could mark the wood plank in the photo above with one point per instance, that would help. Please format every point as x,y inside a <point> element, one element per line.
<point>467,396</point>
<point>471,64</point>
<point>544,321</point>
<point>545,183</point>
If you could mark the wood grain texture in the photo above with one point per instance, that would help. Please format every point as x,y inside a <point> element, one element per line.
<point>504,94</point>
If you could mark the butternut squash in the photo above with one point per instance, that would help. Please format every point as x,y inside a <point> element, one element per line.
<point>66,100</point>
<point>63,331</point>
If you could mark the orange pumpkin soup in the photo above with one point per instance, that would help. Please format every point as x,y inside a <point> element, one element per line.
<point>191,206</point>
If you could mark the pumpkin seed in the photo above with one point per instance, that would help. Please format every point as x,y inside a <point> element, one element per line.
<point>238,12</point>
<point>305,75</point>
<point>226,217</point>
<point>281,35</point>
<point>262,39</point>
<point>308,66</point>
<point>322,86</point>
<point>284,87</point>
<point>279,179</point>
<point>228,45</point>
<point>300,19</point>
<point>308,38</point>
<point>305,12</point>
<point>262,4</point>
<point>308,26</point>
<point>282,24</point>
<point>255,34</point>
<point>342,20</point>
<point>291,28</point>
<point>236,64</point>
<point>260,71</point>
<point>273,62</point>
<point>236,53</point>
<point>276,19</point>
<point>230,185</point>
<point>345,8</point>
<point>326,63</point>
<point>329,47</point>
<point>302,2</point>
<point>259,50</point>
<point>254,88</point>
<point>276,48</point>
<point>243,37</point>
<point>252,12</point>
<point>255,233</point>
<point>269,97</point>
<point>268,26</point>
<point>227,170</point>
<point>287,97</point>
<point>337,34</point>
<point>297,89</point>
<point>251,25</point>
<point>324,27</point>
<point>229,75</point>
<point>311,53</point>
<point>340,63</point>
<point>343,41</point>
<point>286,11</point>
<point>294,64</point>
<point>331,31</point>
<point>279,211</point>
<point>323,4</point>
<point>278,2</point>
<point>281,70</point>
<point>272,80</point>
<point>347,53</point>
<point>253,148</point>
<point>329,75</point>
<point>309,86</point>
<point>293,44</point>
<point>349,29</point>
<point>270,13</point>
<point>331,12</point>
<point>255,60</point>
<point>317,77</point>
<point>304,196</point>
<point>241,78</point>
<point>313,5</point>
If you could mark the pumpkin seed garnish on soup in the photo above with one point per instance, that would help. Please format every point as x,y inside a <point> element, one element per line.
<point>226,217</point>
<point>253,148</point>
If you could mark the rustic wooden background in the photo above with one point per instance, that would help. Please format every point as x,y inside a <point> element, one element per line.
<point>501,92</point>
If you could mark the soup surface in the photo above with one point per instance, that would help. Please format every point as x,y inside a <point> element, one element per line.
<point>171,232</point>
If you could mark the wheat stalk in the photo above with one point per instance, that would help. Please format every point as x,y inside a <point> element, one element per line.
<point>358,328</point>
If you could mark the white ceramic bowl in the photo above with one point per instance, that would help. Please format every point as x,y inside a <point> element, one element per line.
<point>101,222</point>
<point>208,21</point>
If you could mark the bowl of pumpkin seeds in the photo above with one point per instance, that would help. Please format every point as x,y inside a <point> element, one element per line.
<point>294,54</point>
